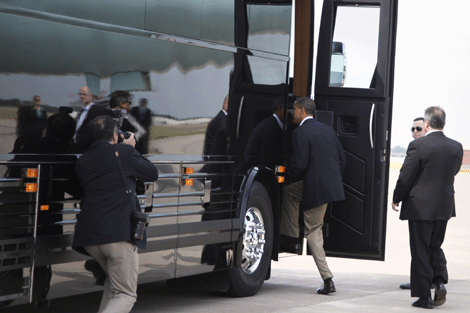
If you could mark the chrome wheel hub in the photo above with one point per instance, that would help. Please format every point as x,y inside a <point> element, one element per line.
<point>253,240</point>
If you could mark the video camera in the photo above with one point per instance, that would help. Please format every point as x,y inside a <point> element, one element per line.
<point>139,221</point>
<point>118,116</point>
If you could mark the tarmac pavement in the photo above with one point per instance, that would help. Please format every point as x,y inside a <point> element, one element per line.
<point>373,286</point>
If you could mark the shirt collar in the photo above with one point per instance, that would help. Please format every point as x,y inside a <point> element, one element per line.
<point>88,106</point>
<point>224,112</point>
<point>281,124</point>
<point>434,131</point>
<point>307,118</point>
<point>100,142</point>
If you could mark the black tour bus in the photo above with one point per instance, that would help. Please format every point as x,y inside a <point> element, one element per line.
<point>212,226</point>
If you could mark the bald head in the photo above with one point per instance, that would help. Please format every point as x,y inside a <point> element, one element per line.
<point>85,95</point>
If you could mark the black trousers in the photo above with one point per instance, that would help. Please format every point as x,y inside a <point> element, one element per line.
<point>428,262</point>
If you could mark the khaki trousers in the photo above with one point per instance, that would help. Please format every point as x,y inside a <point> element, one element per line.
<point>313,220</point>
<point>120,261</point>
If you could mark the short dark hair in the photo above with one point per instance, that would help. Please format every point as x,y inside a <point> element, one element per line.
<point>306,103</point>
<point>61,126</point>
<point>102,127</point>
<point>278,103</point>
<point>436,117</point>
<point>118,96</point>
<point>418,119</point>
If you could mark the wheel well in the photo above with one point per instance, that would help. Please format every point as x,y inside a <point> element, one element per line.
<point>269,181</point>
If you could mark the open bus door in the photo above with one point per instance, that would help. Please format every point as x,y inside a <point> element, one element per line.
<point>360,111</point>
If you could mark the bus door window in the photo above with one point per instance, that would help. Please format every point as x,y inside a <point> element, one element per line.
<point>356,28</point>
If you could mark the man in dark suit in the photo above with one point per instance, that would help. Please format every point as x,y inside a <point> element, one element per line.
<point>89,112</point>
<point>32,120</point>
<point>103,228</point>
<point>417,131</point>
<point>58,136</point>
<point>143,116</point>
<point>217,123</point>
<point>265,141</point>
<point>319,159</point>
<point>426,187</point>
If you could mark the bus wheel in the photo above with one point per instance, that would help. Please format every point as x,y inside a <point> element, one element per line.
<point>257,245</point>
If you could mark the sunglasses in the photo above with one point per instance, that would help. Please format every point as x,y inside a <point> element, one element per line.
<point>419,128</point>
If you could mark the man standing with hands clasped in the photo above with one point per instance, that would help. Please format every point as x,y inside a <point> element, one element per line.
<point>426,188</point>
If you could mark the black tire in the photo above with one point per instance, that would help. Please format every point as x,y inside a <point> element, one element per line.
<point>247,279</point>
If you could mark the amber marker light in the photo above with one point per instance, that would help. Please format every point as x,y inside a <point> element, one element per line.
<point>32,172</point>
<point>188,182</point>
<point>281,179</point>
<point>44,208</point>
<point>31,187</point>
<point>280,169</point>
<point>189,170</point>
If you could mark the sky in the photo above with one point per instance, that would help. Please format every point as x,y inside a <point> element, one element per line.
<point>432,66</point>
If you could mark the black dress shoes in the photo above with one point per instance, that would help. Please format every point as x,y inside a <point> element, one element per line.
<point>423,303</point>
<point>440,295</point>
<point>326,288</point>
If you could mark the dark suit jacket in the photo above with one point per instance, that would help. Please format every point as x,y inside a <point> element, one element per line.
<point>127,126</point>
<point>105,205</point>
<point>218,122</point>
<point>319,157</point>
<point>48,145</point>
<point>81,137</point>
<point>144,119</point>
<point>263,146</point>
<point>30,123</point>
<point>426,181</point>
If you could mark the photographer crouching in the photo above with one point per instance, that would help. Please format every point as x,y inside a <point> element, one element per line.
<point>110,214</point>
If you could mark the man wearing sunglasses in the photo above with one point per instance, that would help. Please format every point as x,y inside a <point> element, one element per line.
<point>122,100</point>
<point>417,129</point>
